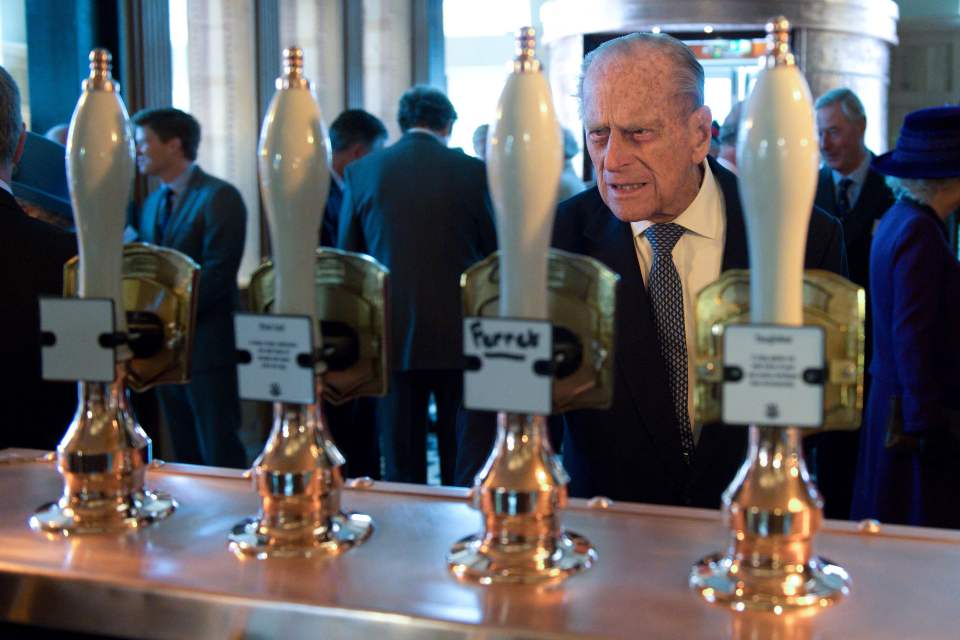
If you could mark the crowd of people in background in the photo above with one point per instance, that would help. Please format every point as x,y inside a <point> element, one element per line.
<point>663,211</point>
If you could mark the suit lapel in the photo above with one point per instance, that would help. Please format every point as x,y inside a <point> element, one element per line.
<point>860,220</point>
<point>735,250</point>
<point>826,197</point>
<point>148,218</point>
<point>638,359</point>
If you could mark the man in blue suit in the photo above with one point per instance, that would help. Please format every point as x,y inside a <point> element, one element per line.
<point>353,134</point>
<point>204,218</point>
<point>669,221</point>
<point>423,211</point>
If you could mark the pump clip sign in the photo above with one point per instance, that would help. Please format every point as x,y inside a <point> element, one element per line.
<point>507,365</point>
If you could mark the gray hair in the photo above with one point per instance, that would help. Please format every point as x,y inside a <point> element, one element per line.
<point>850,104</point>
<point>11,122</point>
<point>689,71</point>
<point>923,190</point>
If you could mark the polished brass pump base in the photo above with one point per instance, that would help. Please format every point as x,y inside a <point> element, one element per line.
<point>723,580</point>
<point>134,511</point>
<point>342,532</point>
<point>483,561</point>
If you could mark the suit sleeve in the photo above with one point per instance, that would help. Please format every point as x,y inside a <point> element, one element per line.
<point>225,225</point>
<point>918,283</point>
<point>488,221</point>
<point>834,256</point>
<point>350,226</point>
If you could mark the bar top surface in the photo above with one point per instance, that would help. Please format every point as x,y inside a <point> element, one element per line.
<point>177,579</point>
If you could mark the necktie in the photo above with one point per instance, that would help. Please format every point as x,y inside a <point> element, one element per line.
<point>163,215</point>
<point>666,294</point>
<point>843,197</point>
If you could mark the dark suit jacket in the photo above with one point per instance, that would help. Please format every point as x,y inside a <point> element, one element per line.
<point>331,215</point>
<point>632,450</point>
<point>873,201</point>
<point>209,225</point>
<point>423,211</point>
<point>32,253</point>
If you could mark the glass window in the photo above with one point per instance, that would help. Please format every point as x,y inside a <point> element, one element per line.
<point>13,48</point>
<point>214,78</point>
<point>479,44</point>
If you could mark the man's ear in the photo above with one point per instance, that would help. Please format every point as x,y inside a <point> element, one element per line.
<point>700,123</point>
<point>21,141</point>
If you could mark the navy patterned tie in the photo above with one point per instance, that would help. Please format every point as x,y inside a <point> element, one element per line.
<point>843,197</point>
<point>163,215</point>
<point>666,294</point>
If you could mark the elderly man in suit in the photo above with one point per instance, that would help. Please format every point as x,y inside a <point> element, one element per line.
<point>668,220</point>
<point>204,218</point>
<point>423,211</point>
<point>857,194</point>
<point>32,254</point>
<point>849,187</point>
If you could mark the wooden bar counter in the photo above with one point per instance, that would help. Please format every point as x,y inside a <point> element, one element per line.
<point>178,580</point>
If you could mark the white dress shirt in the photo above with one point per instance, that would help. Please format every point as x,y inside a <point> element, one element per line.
<point>698,256</point>
<point>5,187</point>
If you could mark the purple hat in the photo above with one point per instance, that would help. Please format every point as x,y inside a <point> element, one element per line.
<point>928,146</point>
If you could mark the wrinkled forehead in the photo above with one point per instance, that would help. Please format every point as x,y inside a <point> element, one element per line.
<point>637,80</point>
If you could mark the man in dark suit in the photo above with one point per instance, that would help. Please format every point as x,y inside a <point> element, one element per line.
<point>353,134</point>
<point>32,253</point>
<point>669,221</point>
<point>422,210</point>
<point>205,218</point>
<point>858,195</point>
<point>848,188</point>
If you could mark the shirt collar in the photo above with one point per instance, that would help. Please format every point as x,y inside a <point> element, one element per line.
<point>178,184</point>
<point>429,132</point>
<point>337,178</point>
<point>700,217</point>
<point>858,175</point>
<point>6,187</point>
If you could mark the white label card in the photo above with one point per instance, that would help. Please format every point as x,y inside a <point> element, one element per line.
<point>773,375</point>
<point>507,351</point>
<point>271,346</point>
<point>70,336</point>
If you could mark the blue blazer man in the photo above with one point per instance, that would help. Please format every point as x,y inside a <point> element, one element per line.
<point>203,217</point>
<point>632,451</point>
<point>423,211</point>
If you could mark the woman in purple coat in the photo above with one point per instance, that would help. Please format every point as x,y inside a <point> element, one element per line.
<point>909,467</point>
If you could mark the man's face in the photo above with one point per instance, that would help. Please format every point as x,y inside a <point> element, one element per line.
<point>841,141</point>
<point>645,143</point>
<point>154,156</point>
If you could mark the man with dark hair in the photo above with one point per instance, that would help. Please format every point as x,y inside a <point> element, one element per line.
<point>668,219</point>
<point>205,218</point>
<point>422,210</point>
<point>858,195</point>
<point>32,253</point>
<point>354,134</point>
